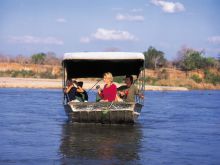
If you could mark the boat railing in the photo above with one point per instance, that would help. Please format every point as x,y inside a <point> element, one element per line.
<point>77,106</point>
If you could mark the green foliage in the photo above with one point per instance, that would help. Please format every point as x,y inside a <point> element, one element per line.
<point>47,74</point>
<point>211,77</point>
<point>154,58</point>
<point>28,74</point>
<point>5,73</point>
<point>191,59</point>
<point>208,62</point>
<point>21,73</point>
<point>118,79</point>
<point>38,58</point>
<point>196,78</point>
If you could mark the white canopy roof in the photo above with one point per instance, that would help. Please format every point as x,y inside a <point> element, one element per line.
<point>103,56</point>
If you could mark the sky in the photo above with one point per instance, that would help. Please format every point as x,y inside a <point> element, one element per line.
<point>60,26</point>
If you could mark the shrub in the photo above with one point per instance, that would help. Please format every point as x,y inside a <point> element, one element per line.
<point>47,74</point>
<point>14,74</point>
<point>151,80</point>
<point>196,78</point>
<point>118,79</point>
<point>211,77</point>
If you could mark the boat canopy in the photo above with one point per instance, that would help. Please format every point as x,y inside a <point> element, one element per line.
<point>95,64</point>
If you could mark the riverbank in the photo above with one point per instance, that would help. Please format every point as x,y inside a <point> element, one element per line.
<point>8,82</point>
<point>159,79</point>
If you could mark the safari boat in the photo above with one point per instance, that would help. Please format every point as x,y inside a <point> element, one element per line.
<point>94,65</point>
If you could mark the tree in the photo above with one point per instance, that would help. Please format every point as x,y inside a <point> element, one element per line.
<point>51,59</point>
<point>189,59</point>
<point>192,60</point>
<point>154,58</point>
<point>38,58</point>
<point>21,59</point>
<point>209,62</point>
<point>4,58</point>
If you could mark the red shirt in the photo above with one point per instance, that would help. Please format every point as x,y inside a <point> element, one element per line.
<point>109,93</point>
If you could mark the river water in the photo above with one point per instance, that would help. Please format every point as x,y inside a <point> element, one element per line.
<point>174,128</point>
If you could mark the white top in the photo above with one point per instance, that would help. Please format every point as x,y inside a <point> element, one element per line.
<point>103,56</point>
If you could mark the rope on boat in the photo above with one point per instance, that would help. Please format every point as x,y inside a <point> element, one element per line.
<point>112,105</point>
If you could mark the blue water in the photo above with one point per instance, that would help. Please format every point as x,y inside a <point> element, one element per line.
<point>174,128</point>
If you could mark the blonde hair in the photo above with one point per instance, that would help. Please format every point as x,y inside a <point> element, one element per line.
<point>108,75</point>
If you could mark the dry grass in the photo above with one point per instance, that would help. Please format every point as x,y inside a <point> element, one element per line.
<point>167,77</point>
<point>188,83</point>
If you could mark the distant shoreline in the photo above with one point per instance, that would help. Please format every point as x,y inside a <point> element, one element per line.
<point>9,82</point>
<point>164,78</point>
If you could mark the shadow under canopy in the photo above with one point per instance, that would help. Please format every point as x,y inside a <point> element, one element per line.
<point>95,64</point>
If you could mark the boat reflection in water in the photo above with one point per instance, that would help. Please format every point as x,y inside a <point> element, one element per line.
<point>100,144</point>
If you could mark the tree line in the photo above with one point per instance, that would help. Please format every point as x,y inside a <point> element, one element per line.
<point>187,59</point>
<point>49,58</point>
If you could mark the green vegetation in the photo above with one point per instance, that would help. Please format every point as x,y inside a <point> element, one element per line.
<point>198,70</point>
<point>38,58</point>
<point>13,73</point>
<point>211,77</point>
<point>28,74</point>
<point>154,58</point>
<point>196,78</point>
<point>119,79</point>
<point>22,73</point>
<point>190,59</point>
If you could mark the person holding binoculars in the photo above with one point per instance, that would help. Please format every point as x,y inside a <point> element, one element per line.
<point>70,90</point>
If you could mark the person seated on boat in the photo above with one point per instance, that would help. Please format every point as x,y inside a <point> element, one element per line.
<point>108,94</point>
<point>81,93</point>
<point>127,92</point>
<point>70,91</point>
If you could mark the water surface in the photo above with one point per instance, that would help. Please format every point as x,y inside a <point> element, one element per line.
<point>174,128</point>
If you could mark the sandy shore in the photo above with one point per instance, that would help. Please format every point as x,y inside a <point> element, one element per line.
<point>8,82</point>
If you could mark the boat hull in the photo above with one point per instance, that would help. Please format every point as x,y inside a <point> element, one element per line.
<point>111,113</point>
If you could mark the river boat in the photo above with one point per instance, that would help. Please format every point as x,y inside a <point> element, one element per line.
<point>93,65</point>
